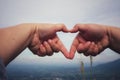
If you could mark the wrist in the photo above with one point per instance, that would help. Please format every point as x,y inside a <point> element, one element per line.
<point>29,29</point>
<point>113,37</point>
<point>108,30</point>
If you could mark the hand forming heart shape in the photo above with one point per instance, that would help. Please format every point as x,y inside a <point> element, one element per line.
<point>91,40</point>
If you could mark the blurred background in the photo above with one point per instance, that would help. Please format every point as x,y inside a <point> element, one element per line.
<point>69,12</point>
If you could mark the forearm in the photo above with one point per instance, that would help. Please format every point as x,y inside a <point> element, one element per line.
<point>114,37</point>
<point>14,40</point>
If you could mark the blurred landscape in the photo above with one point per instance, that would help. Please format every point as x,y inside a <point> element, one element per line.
<point>108,71</point>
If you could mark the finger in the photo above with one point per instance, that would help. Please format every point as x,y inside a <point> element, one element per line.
<point>40,54</point>
<point>94,50</point>
<point>75,29</point>
<point>91,50</point>
<point>34,49</point>
<point>42,51</point>
<point>83,47</point>
<point>73,48</point>
<point>105,43</point>
<point>80,38</point>
<point>62,48</point>
<point>61,27</point>
<point>79,27</point>
<point>58,45</point>
<point>100,48</point>
<point>53,45</point>
<point>48,49</point>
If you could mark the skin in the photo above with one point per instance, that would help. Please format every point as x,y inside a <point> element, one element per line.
<point>94,38</point>
<point>41,39</point>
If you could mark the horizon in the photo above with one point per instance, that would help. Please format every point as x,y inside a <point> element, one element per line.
<point>69,12</point>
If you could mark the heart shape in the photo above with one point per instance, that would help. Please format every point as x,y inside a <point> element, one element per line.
<point>66,38</point>
<point>87,41</point>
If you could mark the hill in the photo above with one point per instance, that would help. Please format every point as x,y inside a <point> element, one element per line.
<point>108,71</point>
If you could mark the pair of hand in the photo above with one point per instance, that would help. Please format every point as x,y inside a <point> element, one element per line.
<point>91,39</point>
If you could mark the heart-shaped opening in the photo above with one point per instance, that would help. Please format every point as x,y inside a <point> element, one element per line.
<point>66,38</point>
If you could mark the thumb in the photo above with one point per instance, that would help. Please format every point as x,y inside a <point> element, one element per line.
<point>61,27</point>
<point>78,27</point>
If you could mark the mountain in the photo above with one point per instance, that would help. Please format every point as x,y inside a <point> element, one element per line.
<point>111,67</point>
<point>107,71</point>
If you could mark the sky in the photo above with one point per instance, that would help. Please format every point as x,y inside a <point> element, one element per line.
<point>69,12</point>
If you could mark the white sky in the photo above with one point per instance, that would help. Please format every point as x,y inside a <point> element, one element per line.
<point>69,12</point>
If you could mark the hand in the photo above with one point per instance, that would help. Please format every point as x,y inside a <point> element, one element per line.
<point>91,39</point>
<point>45,40</point>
